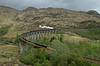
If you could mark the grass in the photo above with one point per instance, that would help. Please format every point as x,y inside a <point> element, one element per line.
<point>4,30</point>
<point>66,53</point>
<point>93,33</point>
<point>7,53</point>
<point>69,49</point>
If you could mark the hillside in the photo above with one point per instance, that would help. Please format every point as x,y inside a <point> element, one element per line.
<point>57,17</point>
<point>81,39</point>
<point>7,15</point>
<point>30,18</point>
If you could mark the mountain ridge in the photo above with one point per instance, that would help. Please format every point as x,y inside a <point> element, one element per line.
<point>31,17</point>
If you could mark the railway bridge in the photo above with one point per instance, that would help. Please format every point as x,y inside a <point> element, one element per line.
<point>28,39</point>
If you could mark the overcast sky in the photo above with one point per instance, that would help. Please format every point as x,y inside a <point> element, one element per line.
<point>68,4</point>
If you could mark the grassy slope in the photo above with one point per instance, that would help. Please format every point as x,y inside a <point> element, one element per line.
<point>8,53</point>
<point>72,46</point>
<point>66,53</point>
<point>71,50</point>
<point>93,33</point>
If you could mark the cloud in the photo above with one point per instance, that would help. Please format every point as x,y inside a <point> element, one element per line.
<point>68,4</point>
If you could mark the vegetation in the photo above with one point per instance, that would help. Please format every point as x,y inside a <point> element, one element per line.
<point>68,51</point>
<point>65,53</point>
<point>8,53</point>
<point>4,30</point>
<point>93,33</point>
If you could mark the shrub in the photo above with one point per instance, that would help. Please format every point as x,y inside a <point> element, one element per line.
<point>35,57</point>
<point>65,54</point>
<point>4,30</point>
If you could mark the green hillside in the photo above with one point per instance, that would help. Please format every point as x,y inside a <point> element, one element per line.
<point>81,39</point>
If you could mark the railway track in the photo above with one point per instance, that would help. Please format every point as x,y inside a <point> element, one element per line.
<point>29,37</point>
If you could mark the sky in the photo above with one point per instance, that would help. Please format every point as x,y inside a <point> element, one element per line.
<point>68,4</point>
